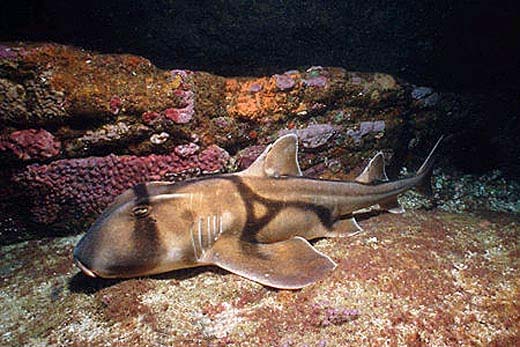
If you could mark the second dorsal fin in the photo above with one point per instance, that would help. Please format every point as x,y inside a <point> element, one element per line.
<point>278,159</point>
<point>374,171</point>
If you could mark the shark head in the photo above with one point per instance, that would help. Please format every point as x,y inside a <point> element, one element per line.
<point>140,233</point>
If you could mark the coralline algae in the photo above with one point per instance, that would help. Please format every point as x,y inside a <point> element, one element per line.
<point>31,144</point>
<point>115,105</point>
<point>150,117</point>
<point>247,156</point>
<point>325,315</point>
<point>318,81</point>
<point>80,188</point>
<point>366,128</point>
<point>179,115</point>
<point>316,77</point>
<point>255,88</point>
<point>182,115</point>
<point>313,136</point>
<point>284,81</point>
<point>7,52</point>
<point>183,74</point>
<point>186,150</point>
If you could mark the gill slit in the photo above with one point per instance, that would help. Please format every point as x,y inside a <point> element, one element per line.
<point>215,225</point>
<point>195,251</point>
<point>219,228</point>
<point>208,232</point>
<point>200,237</point>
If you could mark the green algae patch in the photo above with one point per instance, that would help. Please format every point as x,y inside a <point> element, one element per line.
<point>422,278</point>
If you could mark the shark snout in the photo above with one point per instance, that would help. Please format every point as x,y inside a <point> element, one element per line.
<point>82,260</point>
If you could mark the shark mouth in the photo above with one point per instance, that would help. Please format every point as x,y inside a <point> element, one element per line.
<point>84,269</point>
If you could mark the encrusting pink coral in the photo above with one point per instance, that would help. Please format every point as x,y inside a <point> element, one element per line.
<point>179,115</point>
<point>78,189</point>
<point>247,156</point>
<point>31,144</point>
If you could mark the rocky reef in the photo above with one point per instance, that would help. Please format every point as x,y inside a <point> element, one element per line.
<point>80,127</point>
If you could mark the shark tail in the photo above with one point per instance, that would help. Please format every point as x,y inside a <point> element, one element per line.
<point>425,172</point>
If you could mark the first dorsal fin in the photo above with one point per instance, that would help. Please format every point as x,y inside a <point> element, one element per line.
<point>278,159</point>
<point>374,171</point>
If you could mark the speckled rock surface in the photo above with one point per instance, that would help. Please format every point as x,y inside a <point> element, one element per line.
<point>30,144</point>
<point>425,278</point>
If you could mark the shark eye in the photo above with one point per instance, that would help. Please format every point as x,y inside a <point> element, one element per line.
<point>141,211</point>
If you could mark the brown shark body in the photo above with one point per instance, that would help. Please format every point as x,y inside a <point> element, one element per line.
<point>254,223</point>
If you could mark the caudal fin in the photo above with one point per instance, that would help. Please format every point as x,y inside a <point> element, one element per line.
<point>425,171</point>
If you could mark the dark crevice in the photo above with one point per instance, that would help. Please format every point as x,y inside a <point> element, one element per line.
<point>445,44</point>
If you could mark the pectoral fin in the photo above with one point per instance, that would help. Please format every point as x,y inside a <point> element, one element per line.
<point>290,264</point>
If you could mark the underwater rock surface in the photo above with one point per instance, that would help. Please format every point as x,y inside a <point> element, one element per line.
<point>422,278</point>
<point>78,127</point>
